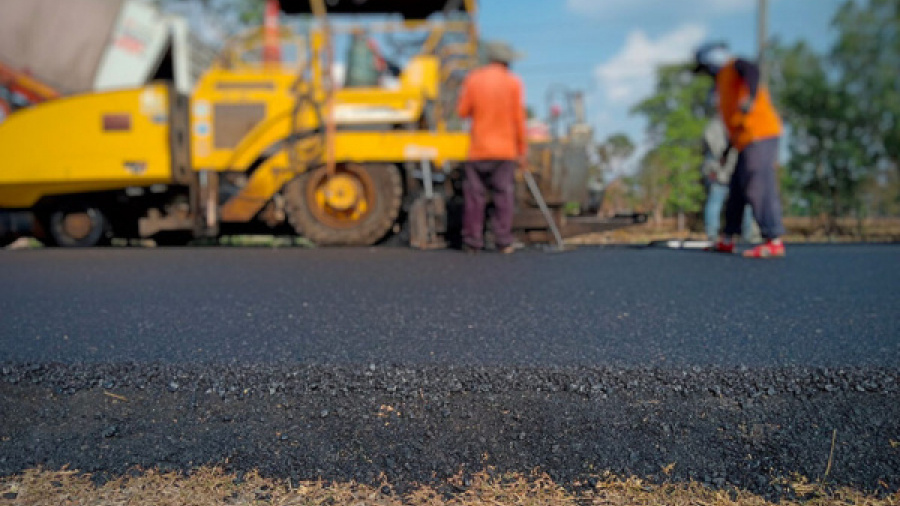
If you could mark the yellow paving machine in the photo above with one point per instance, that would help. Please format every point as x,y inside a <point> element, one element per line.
<point>276,137</point>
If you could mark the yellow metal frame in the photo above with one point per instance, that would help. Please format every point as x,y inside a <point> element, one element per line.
<point>358,147</point>
<point>275,88</point>
<point>85,143</point>
<point>419,82</point>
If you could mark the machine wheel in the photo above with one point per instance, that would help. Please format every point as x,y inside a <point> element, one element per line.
<point>356,206</point>
<point>77,226</point>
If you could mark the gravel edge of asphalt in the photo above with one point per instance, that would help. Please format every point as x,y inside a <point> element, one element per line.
<point>403,380</point>
<point>644,405</point>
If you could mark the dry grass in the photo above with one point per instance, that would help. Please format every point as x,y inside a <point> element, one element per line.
<point>211,486</point>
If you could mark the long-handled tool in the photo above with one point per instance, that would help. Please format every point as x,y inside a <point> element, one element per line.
<point>536,193</point>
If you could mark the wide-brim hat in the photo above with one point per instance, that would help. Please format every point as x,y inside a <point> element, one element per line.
<point>501,52</point>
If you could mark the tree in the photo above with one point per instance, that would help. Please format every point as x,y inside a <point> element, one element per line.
<point>829,158</point>
<point>618,196</point>
<point>613,152</point>
<point>867,53</point>
<point>651,184</point>
<point>842,111</point>
<point>676,115</point>
<point>230,17</point>
<point>603,182</point>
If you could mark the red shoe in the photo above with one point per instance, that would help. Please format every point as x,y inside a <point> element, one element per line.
<point>721,247</point>
<point>768,249</point>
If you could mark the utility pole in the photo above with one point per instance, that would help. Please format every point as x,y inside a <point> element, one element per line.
<point>762,15</point>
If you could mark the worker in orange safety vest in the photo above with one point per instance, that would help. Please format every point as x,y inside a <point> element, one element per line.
<point>754,128</point>
<point>493,98</point>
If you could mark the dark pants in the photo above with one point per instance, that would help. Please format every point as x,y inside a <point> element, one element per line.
<point>498,177</point>
<point>755,182</point>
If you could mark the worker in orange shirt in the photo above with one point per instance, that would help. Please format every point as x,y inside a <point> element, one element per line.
<point>492,97</point>
<point>754,128</point>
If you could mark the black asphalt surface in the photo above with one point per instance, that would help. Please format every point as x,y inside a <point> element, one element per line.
<point>822,305</point>
<point>358,364</point>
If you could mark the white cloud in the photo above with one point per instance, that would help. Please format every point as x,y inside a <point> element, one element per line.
<point>686,8</point>
<point>628,75</point>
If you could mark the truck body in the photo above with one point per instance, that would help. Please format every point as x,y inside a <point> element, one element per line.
<point>84,46</point>
<point>138,147</point>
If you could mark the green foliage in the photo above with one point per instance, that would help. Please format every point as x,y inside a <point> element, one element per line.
<point>649,187</point>
<point>676,114</point>
<point>867,54</point>
<point>842,111</point>
<point>231,16</point>
<point>828,158</point>
<point>616,147</point>
<point>250,12</point>
<point>612,153</point>
<point>572,208</point>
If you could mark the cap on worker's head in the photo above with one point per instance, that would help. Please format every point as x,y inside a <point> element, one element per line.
<point>711,57</point>
<point>502,52</point>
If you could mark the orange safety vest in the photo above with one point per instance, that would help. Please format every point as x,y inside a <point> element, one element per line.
<point>761,122</point>
<point>493,97</point>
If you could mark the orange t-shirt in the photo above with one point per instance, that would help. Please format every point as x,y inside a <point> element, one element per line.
<point>760,122</point>
<point>492,97</point>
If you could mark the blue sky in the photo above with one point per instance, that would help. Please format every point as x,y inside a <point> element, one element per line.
<point>609,48</point>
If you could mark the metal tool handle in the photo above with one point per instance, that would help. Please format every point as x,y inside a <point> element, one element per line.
<point>536,193</point>
<point>428,183</point>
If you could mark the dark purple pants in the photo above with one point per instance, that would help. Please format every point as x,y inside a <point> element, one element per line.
<point>755,182</point>
<point>498,177</point>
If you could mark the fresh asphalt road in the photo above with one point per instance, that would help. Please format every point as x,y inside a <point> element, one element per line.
<point>823,305</point>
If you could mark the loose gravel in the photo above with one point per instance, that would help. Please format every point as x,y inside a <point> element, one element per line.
<point>751,428</point>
